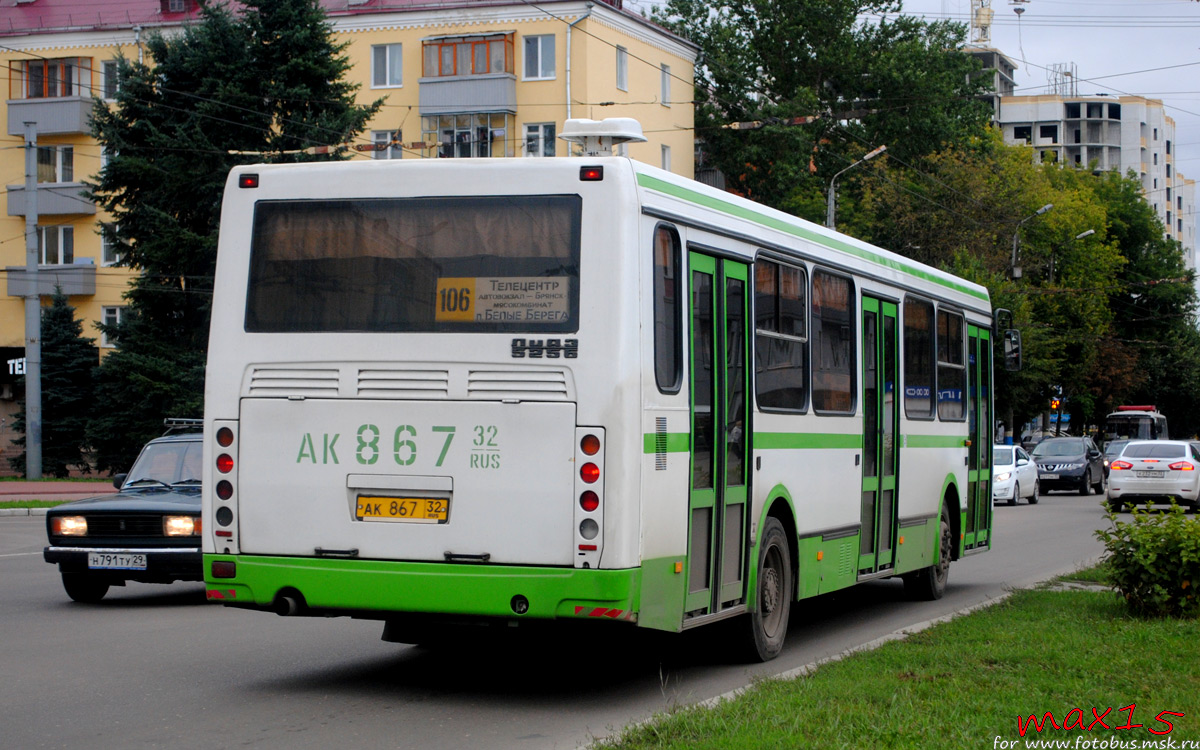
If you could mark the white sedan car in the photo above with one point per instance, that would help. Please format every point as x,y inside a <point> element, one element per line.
<point>1014,475</point>
<point>1149,471</point>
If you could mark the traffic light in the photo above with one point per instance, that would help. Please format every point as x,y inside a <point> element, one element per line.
<point>1055,403</point>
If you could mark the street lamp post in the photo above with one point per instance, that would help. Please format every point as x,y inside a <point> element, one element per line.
<point>831,198</point>
<point>1016,270</point>
<point>1079,236</point>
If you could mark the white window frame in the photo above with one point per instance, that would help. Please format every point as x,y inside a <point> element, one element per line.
<point>666,157</point>
<point>118,312</point>
<point>64,160</point>
<point>391,152</point>
<point>665,84</point>
<point>622,68</point>
<point>540,134</point>
<point>391,76</point>
<point>109,79</point>
<point>543,61</point>
<point>64,240</point>
<point>108,251</point>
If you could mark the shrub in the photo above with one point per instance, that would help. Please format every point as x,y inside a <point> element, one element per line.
<point>1154,561</point>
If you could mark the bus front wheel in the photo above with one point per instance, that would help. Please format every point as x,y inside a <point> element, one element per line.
<point>928,584</point>
<point>774,590</point>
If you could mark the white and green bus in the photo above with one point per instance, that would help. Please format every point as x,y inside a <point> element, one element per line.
<point>527,390</point>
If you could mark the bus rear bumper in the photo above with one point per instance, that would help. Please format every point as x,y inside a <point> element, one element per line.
<point>377,589</point>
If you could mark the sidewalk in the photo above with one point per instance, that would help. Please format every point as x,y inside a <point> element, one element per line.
<point>54,490</point>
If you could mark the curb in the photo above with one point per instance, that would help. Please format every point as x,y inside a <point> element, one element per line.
<point>23,511</point>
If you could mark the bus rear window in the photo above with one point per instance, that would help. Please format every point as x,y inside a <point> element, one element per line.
<point>480,264</point>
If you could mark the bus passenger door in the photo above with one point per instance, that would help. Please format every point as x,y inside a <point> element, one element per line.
<point>718,517</point>
<point>979,426</point>
<point>877,549</point>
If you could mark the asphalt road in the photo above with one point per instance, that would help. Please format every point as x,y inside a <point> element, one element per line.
<point>156,666</point>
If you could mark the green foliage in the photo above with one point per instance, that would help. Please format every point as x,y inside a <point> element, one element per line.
<point>1154,561</point>
<point>268,81</point>
<point>68,360</point>
<point>901,82</point>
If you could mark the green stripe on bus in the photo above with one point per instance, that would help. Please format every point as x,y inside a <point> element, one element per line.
<point>677,442</point>
<point>935,441</point>
<point>771,222</point>
<point>805,440</point>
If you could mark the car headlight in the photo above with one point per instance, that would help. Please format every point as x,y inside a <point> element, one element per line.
<point>1003,477</point>
<point>68,526</point>
<point>181,525</point>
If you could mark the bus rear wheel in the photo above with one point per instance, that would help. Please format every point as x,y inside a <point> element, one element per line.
<point>928,584</point>
<point>767,624</point>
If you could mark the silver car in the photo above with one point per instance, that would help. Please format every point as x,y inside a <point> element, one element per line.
<point>1149,471</point>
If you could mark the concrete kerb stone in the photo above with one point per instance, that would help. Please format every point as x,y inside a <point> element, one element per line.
<point>23,511</point>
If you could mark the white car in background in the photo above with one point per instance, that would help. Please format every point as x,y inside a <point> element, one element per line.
<point>1014,475</point>
<point>1149,471</point>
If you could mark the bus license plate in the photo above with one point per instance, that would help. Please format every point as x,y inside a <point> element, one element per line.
<point>408,509</point>
<point>116,561</point>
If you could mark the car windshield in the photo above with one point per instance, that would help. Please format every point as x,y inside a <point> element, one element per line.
<point>1114,448</point>
<point>1154,450</point>
<point>167,463</point>
<point>1002,455</point>
<point>1056,447</point>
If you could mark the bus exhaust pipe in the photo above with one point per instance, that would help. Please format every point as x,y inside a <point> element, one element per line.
<point>287,606</point>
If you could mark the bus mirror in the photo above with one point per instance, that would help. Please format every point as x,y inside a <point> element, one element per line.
<point>1012,350</point>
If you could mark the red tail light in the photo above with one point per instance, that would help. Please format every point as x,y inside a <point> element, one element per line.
<point>1182,466</point>
<point>589,472</point>
<point>224,463</point>
<point>224,437</point>
<point>1121,465</point>
<point>590,445</point>
<point>589,501</point>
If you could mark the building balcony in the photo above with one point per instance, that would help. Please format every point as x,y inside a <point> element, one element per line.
<point>456,95</point>
<point>58,115</point>
<point>75,279</point>
<point>53,199</point>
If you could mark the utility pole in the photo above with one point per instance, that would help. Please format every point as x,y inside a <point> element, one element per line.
<point>33,314</point>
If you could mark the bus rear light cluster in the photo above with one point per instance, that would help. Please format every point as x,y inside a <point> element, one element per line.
<point>224,506</point>
<point>589,495</point>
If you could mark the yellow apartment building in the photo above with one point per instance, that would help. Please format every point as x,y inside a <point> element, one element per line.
<point>460,79</point>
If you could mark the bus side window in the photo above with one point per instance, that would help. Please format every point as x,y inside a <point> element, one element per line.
<point>951,369</point>
<point>781,336</point>
<point>833,343</point>
<point>918,358</point>
<point>667,340</point>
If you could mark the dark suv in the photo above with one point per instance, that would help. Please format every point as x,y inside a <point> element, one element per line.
<point>1070,463</point>
<point>147,532</point>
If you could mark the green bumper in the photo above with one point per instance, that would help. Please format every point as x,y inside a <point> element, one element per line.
<point>377,586</point>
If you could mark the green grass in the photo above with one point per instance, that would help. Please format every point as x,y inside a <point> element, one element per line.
<point>1095,574</point>
<point>30,503</point>
<point>963,684</point>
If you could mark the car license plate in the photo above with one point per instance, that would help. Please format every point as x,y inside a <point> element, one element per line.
<point>1049,476</point>
<point>116,561</point>
<point>408,509</point>
<point>1151,474</point>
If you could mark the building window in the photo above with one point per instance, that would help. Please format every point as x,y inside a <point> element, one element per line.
<point>1023,133</point>
<point>1168,171</point>
<point>952,372</point>
<point>666,158</point>
<point>1168,148</point>
<point>467,136</point>
<point>539,139</point>
<point>1156,158</point>
<point>833,348</point>
<point>539,57</point>
<point>386,144</point>
<point>667,329</point>
<point>665,84</point>
<point>465,56</point>
<point>69,76</point>
<point>1156,134</point>
<point>622,69</point>
<point>918,358</point>
<point>112,319</point>
<point>1048,133</point>
<point>386,66</point>
<point>781,336</point>
<point>56,245</point>
<point>109,70</point>
<point>56,163</point>
<point>109,254</point>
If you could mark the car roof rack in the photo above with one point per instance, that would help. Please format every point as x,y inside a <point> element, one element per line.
<point>182,424</point>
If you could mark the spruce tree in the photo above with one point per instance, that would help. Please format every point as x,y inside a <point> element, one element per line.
<point>267,79</point>
<point>68,360</point>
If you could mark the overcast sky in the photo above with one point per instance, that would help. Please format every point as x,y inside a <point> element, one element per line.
<point>1109,41</point>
